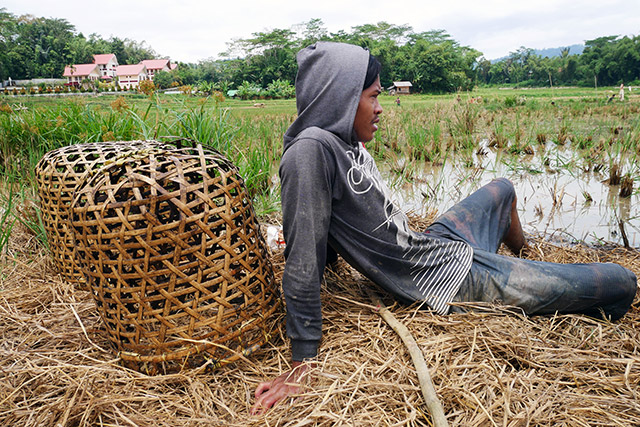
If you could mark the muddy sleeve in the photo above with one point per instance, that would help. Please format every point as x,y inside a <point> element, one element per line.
<point>305,173</point>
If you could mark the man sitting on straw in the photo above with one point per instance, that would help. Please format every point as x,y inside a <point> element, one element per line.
<point>334,199</point>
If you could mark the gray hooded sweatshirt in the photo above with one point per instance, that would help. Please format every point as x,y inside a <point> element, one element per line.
<point>333,195</point>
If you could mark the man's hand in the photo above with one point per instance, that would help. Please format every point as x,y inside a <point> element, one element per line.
<point>287,384</point>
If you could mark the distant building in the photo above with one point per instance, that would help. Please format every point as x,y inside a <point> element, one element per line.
<point>75,74</point>
<point>400,88</point>
<point>155,65</point>
<point>105,67</point>
<point>107,64</point>
<point>130,76</point>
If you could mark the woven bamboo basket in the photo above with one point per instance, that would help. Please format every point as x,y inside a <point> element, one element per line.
<point>58,174</point>
<point>173,254</point>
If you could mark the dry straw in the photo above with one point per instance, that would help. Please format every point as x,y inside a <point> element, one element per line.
<point>58,174</point>
<point>173,254</point>
<point>492,367</point>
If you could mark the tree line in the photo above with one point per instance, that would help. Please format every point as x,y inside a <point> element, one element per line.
<point>432,61</point>
<point>36,47</point>
<point>605,61</point>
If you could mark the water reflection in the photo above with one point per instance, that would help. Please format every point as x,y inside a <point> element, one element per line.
<point>556,196</point>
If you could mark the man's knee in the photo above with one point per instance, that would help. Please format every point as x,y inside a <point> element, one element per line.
<point>507,185</point>
<point>631,285</point>
<point>626,293</point>
<point>503,189</point>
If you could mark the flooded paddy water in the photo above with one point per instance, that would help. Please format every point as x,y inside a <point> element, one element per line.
<point>557,197</point>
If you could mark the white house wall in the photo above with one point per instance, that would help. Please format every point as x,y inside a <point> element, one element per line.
<point>131,81</point>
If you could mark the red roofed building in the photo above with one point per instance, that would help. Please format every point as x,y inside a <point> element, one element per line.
<point>130,76</point>
<point>106,67</point>
<point>75,74</point>
<point>155,65</point>
<point>107,64</point>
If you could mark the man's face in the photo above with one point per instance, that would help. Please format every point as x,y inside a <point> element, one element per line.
<point>365,123</point>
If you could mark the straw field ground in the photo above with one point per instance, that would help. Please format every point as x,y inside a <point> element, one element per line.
<point>491,367</point>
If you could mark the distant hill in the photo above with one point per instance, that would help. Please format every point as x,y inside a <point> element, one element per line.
<point>575,49</point>
<point>550,52</point>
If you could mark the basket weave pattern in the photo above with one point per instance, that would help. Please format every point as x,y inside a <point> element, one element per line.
<point>173,254</point>
<point>58,175</point>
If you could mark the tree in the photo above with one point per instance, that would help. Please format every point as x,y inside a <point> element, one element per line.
<point>518,64</point>
<point>382,31</point>
<point>249,90</point>
<point>312,31</point>
<point>206,88</point>
<point>163,79</point>
<point>8,33</point>
<point>79,51</point>
<point>268,56</point>
<point>436,63</point>
<point>280,89</point>
<point>33,47</point>
<point>483,70</point>
<point>130,51</point>
<point>597,58</point>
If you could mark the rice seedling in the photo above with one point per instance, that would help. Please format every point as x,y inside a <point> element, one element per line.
<point>518,131</point>
<point>498,138</point>
<point>539,210</point>
<point>465,118</point>
<point>556,195</point>
<point>520,144</point>
<point>614,174</point>
<point>563,133</point>
<point>482,150</point>
<point>402,169</point>
<point>582,142</point>
<point>417,137</point>
<point>467,160</point>
<point>626,186</point>
<point>520,149</point>
<point>435,137</point>
<point>514,101</point>
<point>389,136</point>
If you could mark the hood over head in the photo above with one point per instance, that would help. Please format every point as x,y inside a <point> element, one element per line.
<point>328,88</point>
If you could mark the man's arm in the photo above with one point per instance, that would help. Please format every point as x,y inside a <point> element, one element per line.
<point>306,190</point>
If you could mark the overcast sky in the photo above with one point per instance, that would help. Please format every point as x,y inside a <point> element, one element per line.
<point>193,30</point>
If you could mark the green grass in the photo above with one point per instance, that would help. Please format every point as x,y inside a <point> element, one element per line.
<point>7,220</point>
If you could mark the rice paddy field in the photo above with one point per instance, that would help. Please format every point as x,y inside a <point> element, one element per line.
<point>572,154</point>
